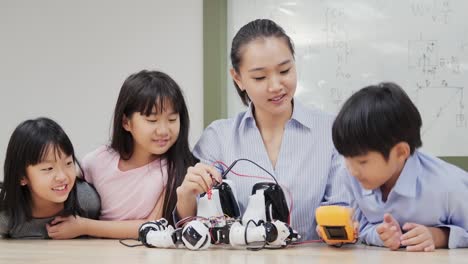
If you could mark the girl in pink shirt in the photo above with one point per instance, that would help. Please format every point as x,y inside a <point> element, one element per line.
<point>137,175</point>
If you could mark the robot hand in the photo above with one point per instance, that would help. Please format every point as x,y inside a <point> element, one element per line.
<point>274,234</point>
<point>157,234</point>
<point>280,234</point>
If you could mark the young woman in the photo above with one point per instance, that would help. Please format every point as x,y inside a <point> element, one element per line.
<point>289,140</point>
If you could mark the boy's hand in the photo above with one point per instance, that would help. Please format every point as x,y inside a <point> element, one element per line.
<point>317,229</point>
<point>356,231</point>
<point>66,227</point>
<point>390,232</point>
<point>417,238</point>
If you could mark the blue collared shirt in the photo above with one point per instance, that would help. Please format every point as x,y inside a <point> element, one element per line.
<point>308,167</point>
<point>428,191</point>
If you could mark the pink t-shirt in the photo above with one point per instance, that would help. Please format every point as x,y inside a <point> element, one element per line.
<point>125,195</point>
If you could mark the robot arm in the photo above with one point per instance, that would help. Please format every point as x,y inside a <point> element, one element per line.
<point>157,234</point>
<point>285,235</point>
<point>274,234</point>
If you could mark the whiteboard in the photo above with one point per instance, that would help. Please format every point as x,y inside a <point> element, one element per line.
<point>342,46</point>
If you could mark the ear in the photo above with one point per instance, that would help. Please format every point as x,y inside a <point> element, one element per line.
<point>402,151</point>
<point>126,123</point>
<point>24,181</point>
<point>237,78</point>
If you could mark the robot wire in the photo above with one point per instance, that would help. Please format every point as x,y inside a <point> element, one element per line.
<point>229,169</point>
<point>237,160</point>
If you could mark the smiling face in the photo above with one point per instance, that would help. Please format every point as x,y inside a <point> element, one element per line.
<point>51,180</point>
<point>267,73</point>
<point>156,133</point>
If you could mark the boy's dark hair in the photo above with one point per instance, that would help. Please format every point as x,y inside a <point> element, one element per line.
<point>260,28</point>
<point>376,118</point>
<point>140,93</point>
<point>28,145</point>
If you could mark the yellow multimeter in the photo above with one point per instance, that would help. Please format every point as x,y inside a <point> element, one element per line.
<point>335,224</point>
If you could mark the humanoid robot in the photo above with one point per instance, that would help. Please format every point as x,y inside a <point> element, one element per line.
<point>219,221</point>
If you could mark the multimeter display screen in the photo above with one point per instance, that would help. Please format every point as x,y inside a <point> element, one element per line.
<point>336,232</point>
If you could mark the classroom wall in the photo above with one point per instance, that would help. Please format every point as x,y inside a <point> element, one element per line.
<point>67,60</point>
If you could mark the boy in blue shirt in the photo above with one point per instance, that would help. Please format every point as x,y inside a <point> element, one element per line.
<point>404,198</point>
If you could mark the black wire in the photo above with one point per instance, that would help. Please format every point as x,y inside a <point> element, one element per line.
<point>245,237</point>
<point>237,160</point>
<point>245,231</point>
<point>121,241</point>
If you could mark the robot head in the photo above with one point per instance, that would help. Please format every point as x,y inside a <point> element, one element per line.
<point>144,230</point>
<point>228,199</point>
<point>196,235</point>
<point>276,207</point>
